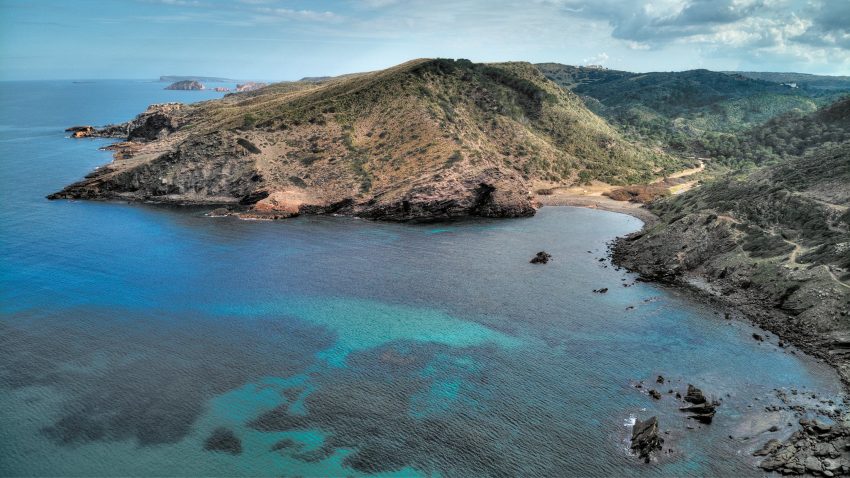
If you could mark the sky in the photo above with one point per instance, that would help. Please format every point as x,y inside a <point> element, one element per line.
<point>290,39</point>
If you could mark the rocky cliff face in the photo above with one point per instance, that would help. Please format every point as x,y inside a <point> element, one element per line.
<point>428,139</point>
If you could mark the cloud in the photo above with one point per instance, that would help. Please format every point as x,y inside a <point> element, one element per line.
<point>803,30</point>
<point>599,59</point>
<point>309,15</point>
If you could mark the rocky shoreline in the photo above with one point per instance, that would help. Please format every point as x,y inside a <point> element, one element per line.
<point>816,448</point>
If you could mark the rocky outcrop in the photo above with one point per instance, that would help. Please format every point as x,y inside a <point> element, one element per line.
<point>185,85</point>
<point>156,122</point>
<point>701,409</point>
<point>81,131</point>
<point>249,86</point>
<point>542,257</point>
<point>645,439</point>
<point>817,449</point>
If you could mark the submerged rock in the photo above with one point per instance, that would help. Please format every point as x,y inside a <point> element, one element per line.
<point>645,439</point>
<point>542,257</point>
<point>223,440</point>
<point>601,291</point>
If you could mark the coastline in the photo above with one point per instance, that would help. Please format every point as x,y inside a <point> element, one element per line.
<point>599,202</point>
<point>767,318</point>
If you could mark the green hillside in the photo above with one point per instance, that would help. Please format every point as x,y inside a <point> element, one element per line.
<point>673,108</point>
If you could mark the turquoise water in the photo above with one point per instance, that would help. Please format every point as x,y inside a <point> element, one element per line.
<point>337,346</point>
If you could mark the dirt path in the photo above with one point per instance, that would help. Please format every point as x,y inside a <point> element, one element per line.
<point>792,260</point>
<point>683,173</point>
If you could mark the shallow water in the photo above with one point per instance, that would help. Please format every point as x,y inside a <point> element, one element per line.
<point>128,333</point>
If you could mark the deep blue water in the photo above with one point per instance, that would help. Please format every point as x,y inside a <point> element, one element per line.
<point>128,333</point>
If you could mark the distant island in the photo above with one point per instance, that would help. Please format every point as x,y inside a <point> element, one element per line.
<point>202,79</point>
<point>186,85</point>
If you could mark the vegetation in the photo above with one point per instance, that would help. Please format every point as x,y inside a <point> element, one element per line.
<point>507,115</point>
<point>678,110</point>
<point>789,135</point>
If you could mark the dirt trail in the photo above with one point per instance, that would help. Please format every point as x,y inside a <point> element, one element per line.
<point>792,260</point>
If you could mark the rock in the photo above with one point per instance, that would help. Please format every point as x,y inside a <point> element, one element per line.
<point>694,395</point>
<point>223,440</point>
<point>655,394</point>
<point>830,464</point>
<point>813,464</point>
<point>703,412</point>
<point>542,257</point>
<point>645,439</point>
<point>660,379</point>
<point>185,85</point>
<point>771,446</point>
<point>826,450</point>
<point>820,426</point>
<point>601,291</point>
<point>219,212</point>
<point>758,337</point>
<point>80,131</point>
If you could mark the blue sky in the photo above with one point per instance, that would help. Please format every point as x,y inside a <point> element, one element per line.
<point>289,39</point>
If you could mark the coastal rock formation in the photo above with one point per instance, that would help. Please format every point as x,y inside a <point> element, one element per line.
<point>701,409</point>
<point>542,257</point>
<point>818,449</point>
<point>249,86</point>
<point>185,85</point>
<point>429,139</point>
<point>156,122</point>
<point>223,440</point>
<point>645,439</point>
<point>81,131</point>
<point>694,395</point>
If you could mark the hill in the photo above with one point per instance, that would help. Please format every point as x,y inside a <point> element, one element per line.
<point>783,137</point>
<point>425,139</point>
<point>775,242</point>
<point>800,80</point>
<point>673,108</point>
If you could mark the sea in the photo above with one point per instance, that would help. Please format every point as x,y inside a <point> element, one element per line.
<point>143,340</point>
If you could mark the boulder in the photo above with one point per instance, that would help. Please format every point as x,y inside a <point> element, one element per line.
<point>645,439</point>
